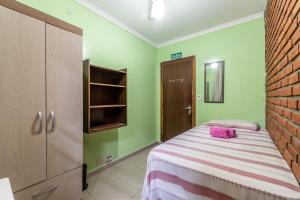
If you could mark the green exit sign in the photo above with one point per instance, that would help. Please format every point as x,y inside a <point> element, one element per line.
<point>176,56</point>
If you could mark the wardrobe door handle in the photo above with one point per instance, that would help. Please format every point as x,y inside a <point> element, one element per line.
<point>40,119</point>
<point>47,190</point>
<point>52,115</point>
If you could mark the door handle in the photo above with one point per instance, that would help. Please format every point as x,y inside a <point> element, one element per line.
<point>189,109</point>
<point>47,190</point>
<point>52,117</point>
<point>40,121</point>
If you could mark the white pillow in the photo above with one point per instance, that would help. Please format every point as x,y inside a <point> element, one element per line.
<point>234,124</point>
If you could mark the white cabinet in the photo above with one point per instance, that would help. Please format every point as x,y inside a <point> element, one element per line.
<point>22,99</point>
<point>41,133</point>
<point>64,100</point>
<point>63,187</point>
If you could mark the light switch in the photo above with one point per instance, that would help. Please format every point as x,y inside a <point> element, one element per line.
<point>199,97</point>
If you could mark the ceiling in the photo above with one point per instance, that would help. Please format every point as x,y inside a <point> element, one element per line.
<point>181,18</point>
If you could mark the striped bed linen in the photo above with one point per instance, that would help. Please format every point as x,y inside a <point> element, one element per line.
<point>195,165</point>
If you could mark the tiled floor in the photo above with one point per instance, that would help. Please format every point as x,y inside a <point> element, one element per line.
<point>122,181</point>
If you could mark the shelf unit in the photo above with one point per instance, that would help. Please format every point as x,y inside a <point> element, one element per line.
<point>105,98</point>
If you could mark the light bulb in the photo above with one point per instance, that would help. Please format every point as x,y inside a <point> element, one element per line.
<point>158,9</point>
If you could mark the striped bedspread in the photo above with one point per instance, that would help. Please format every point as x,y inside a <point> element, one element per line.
<point>194,165</point>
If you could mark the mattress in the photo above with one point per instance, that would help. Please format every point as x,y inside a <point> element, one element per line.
<point>195,165</point>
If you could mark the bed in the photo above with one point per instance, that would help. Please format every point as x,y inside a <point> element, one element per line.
<point>195,165</point>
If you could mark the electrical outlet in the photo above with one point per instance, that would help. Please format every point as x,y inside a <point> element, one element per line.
<point>200,97</point>
<point>108,159</point>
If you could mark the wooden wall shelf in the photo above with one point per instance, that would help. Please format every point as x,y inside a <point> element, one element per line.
<point>107,106</point>
<point>105,98</point>
<point>107,126</point>
<point>107,85</point>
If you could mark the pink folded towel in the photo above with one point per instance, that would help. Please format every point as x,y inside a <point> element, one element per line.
<point>220,132</point>
<point>231,132</point>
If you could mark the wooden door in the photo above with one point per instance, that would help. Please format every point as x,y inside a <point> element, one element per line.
<point>64,101</point>
<point>177,96</point>
<point>22,99</point>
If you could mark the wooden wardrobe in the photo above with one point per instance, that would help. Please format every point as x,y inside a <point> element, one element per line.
<point>41,134</point>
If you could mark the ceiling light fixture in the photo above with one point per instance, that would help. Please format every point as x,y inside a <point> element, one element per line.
<point>157,9</point>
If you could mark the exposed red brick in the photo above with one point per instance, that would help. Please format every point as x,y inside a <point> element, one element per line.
<point>288,70</point>
<point>288,114</point>
<point>295,11</point>
<point>282,121</point>
<point>287,136</point>
<point>292,128</point>
<point>282,145</point>
<point>283,78</point>
<point>296,117</point>
<point>281,55</point>
<point>294,78</point>
<point>287,47</point>
<point>296,143</point>
<point>287,156</point>
<point>296,90</point>
<point>293,53</point>
<point>281,75</point>
<point>283,62</point>
<point>296,170</point>
<point>284,102</point>
<point>296,64</point>
<point>296,36</point>
<point>280,111</point>
<point>292,28</point>
<point>286,92</point>
<point>293,152</point>
<point>293,103</point>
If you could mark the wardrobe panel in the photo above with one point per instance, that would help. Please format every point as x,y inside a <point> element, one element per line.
<point>22,99</point>
<point>64,187</point>
<point>64,101</point>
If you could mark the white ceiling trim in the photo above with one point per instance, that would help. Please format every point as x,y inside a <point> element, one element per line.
<point>110,18</point>
<point>212,29</point>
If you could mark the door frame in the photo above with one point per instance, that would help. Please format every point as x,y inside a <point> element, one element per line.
<point>193,58</point>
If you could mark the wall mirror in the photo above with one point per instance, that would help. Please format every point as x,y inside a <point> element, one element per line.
<point>214,82</point>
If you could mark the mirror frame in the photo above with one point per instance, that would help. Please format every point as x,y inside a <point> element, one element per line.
<point>223,71</point>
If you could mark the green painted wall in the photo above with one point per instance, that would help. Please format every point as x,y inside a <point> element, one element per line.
<point>242,49</point>
<point>109,45</point>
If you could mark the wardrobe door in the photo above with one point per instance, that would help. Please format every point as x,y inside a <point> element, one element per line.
<point>64,100</point>
<point>22,99</point>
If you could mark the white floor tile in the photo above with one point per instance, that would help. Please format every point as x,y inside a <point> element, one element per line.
<point>109,187</point>
<point>137,196</point>
<point>122,181</point>
<point>135,178</point>
<point>87,196</point>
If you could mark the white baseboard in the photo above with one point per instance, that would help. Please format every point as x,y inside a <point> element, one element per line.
<point>102,168</point>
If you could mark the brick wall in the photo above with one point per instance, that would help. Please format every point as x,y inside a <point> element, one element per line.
<point>282,19</point>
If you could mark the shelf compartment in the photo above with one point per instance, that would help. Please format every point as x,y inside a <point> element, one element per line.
<point>107,76</point>
<point>108,70</point>
<point>107,116</point>
<point>108,106</point>
<point>107,85</point>
<point>107,96</point>
<point>107,126</point>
